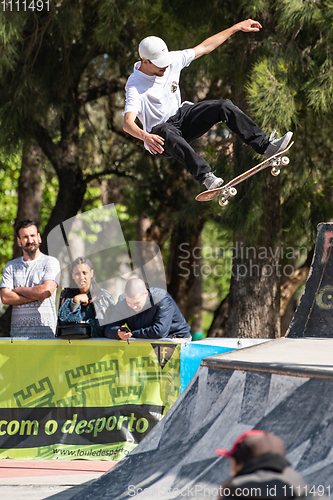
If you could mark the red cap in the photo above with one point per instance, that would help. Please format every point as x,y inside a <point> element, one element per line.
<point>252,443</point>
<point>230,453</point>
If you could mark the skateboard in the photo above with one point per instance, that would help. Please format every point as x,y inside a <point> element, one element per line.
<point>228,190</point>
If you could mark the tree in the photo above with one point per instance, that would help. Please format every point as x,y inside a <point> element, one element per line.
<point>9,173</point>
<point>29,188</point>
<point>56,65</point>
<point>49,75</point>
<point>290,84</point>
<point>61,79</point>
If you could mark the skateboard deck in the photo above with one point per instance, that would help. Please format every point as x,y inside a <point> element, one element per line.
<point>228,190</point>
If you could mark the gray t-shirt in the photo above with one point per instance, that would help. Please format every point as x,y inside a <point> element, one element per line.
<point>37,319</point>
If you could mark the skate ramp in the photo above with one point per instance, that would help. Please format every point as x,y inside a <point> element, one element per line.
<point>284,386</point>
<point>314,314</point>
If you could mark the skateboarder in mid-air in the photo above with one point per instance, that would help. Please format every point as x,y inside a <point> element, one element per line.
<point>153,95</point>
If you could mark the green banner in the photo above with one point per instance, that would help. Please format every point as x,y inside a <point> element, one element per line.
<point>94,399</point>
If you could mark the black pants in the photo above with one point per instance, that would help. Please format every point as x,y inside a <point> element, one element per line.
<point>193,120</point>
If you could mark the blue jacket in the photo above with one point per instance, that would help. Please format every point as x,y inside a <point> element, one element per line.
<point>160,318</point>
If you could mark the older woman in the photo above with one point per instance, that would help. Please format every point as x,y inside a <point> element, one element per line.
<point>84,301</point>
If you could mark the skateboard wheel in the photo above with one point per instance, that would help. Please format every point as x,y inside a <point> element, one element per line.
<point>232,191</point>
<point>223,202</point>
<point>275,171</point>
<point>285,160</point>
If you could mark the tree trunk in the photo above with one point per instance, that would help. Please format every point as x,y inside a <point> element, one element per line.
<point>69,201</point>
<point>254,295</point>
<point>64,157</point>
<point>184,271</point>
<point>219,325</point>
<point>297,279</point>
<point>254,298</point>
<point>288,303</point>
<point>29,199</point>
<point>193,310</point>
<point>30,189</point>
<point>5,322</point>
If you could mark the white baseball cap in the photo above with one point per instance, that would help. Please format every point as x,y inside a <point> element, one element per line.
<point>156,50</point>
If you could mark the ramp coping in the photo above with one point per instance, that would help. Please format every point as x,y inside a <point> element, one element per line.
<point>307,357</point>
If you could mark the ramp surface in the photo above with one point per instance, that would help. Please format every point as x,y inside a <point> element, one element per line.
<point>271,387</point>
<point>314,314</point>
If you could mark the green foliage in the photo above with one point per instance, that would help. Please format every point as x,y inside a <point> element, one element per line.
<point>9,173</point>
<point>282,74</point>
<point>253,10</point>
<point>207,318</point>
<point>271,99</point>
<point>308,28</point>
<point>44,53</point>
<point>216,261</point>
<point>307,189</point>
<point>294,15</point>
<point>319,90</point>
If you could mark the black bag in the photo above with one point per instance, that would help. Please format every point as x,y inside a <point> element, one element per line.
<point>74,331</point>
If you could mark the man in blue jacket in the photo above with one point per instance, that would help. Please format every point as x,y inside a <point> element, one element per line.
<point>150,313</point>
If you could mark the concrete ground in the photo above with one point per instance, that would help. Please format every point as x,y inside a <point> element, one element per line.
<point>52,479</point>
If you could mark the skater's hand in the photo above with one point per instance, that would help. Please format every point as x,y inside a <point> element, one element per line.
<point>155,143</point>
<point>249,25</point>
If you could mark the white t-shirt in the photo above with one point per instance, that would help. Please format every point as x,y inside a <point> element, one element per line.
<point>155,98</point>
<point>37,319</point>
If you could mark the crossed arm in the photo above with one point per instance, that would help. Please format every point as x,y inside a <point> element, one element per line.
<point>155,142</point>
<point>23,295</point>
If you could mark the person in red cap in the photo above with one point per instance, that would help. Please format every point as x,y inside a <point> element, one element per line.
<point>168,125</point>
<point>259,469</point>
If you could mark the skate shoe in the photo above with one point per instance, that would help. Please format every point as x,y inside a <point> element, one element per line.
<point>275,146</point>
<point>212,182</point>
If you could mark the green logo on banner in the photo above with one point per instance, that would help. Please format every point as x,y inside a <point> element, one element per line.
<point>36,395</point>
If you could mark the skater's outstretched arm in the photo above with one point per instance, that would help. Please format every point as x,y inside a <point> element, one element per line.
<point>215,41</point>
